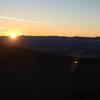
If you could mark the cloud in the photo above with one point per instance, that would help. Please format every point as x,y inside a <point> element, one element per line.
<point>2,28</point>
<point>21,20</point>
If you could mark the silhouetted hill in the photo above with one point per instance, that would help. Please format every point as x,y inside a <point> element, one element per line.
<point>68,46</point>
<point>29,74</point>
<point>26,74</point>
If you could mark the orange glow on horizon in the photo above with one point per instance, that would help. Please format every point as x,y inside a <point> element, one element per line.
<point>13,36</point>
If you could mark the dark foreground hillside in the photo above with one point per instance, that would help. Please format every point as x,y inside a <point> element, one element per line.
<point>84,82</point>
<point>27,74</point>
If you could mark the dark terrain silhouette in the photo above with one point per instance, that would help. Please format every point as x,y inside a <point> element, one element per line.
<point>29,74</point>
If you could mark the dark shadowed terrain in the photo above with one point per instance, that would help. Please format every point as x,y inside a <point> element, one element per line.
<point>31,74</point>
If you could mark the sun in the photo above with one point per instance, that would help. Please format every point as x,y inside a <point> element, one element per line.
<point>13,35</point>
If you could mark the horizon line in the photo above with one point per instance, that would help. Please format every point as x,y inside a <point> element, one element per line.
<point>53,36</point>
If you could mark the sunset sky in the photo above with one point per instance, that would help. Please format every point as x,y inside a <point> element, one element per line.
<point>50,17</point>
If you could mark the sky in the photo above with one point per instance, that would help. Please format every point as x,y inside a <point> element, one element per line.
<point>50,17</point>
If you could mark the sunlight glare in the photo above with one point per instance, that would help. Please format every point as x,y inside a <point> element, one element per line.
<point>13,36</point>
<point>76,62</point>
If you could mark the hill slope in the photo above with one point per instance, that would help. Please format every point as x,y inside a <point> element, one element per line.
<point>26,73</point>
<point>31,74</point>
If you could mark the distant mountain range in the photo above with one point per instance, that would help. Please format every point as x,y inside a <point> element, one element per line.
<point>72,46</point>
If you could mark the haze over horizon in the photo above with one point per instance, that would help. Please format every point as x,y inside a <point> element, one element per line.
<point>50,17</point>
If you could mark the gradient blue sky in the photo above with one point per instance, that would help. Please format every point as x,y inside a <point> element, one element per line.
<point>74,17</point>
